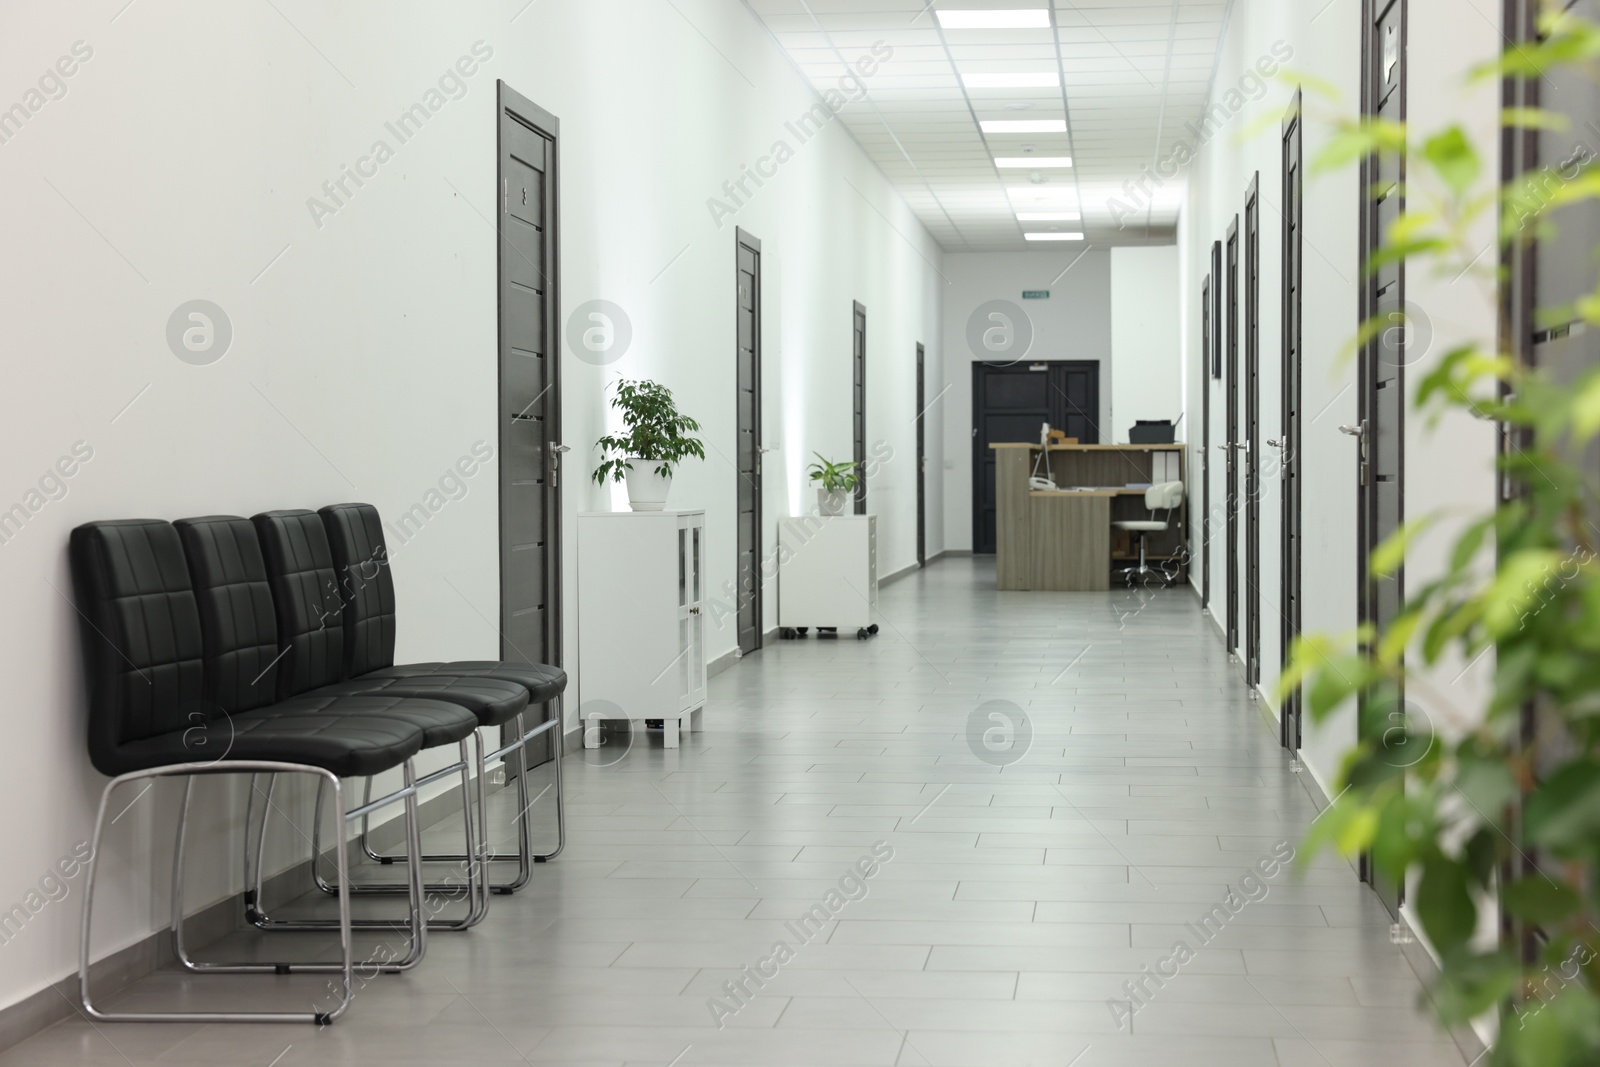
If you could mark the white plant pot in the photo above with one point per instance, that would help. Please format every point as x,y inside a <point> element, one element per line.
<point>647,490</point>
<point>832,503</point>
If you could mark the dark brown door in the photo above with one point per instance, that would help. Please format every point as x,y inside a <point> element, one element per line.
<point>1381,381</point>
<point>748,398</point>
<point>922,458</point>
<point>1251,383</point>
<point>1010,402</point>
<point>1230,385</point>
<point>858,374</point>
<point>1288,445</point>
<point>530,388</point>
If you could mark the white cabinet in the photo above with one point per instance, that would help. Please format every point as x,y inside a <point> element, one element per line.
<point>828,573</point>
<point>641,618</point>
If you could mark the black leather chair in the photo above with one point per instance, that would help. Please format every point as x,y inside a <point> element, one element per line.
<point>366,587</point>
<point>152,715</point>
<point>240,617</point>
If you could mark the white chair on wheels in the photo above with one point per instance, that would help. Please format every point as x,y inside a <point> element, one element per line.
<point>1164,496</point>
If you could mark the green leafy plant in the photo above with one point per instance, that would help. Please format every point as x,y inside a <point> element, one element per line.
<point>1496,804</point>
<point>653,430</point>
<point>834,477</point>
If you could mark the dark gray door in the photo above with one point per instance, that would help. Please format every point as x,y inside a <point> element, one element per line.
<point>858,376</point>
<point>1009,403</point>
<point>1230,384</point>
<point>1207,328</point>
<point>1381,384</point>
<point>922,458</point>
<point>748,398</point>
<point>1251,384</point>
<point>530,392</point>
<point>1288,445</point>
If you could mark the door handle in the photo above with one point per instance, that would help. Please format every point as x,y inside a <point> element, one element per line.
<point>1273,442</point>
<point>553,452</point>
<point>1358,430</point>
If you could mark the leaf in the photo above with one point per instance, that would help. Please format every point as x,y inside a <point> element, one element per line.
<point>1540,900</point>
<point>1586,405</point>
<point>1388,557</point>
<point>1445,905</point>
<point>1454,159</point>
<point>1565,811</point>
<point>1534,118</point>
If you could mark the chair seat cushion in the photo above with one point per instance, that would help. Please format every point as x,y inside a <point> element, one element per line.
<point>1142,525</point>
<point>486,701</point>
<point>366,737</point>
<point>543,682</point>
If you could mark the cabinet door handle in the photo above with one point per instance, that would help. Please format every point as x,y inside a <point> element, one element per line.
<point>694,611</point>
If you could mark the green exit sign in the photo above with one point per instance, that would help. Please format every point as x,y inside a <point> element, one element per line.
<point>1036,294</point>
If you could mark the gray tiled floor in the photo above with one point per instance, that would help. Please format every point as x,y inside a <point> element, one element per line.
<point>1019,899</point>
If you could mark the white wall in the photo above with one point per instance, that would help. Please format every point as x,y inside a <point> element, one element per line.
<point>178,166</point>
<point>1146,370</point>
<point>1074,323</point>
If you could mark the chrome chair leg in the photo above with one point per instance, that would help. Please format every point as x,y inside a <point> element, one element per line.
<point>524,856</point>
<point>188,771</point>
<point>471,868</point>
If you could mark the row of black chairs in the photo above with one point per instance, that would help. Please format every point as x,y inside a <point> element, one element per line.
<point>265,647</point>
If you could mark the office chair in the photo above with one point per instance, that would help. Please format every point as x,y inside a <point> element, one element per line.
<point>1164,496</point>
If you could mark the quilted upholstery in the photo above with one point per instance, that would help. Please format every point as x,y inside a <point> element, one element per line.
<point>543,682</point>
<point>361,560</point>
<point>145,651</point>
<point>305,591</point>
<point>141,633</point>
<point>489,701</point>
<point>237,617</point>
<point>240,628</point>
<point>355,537</point>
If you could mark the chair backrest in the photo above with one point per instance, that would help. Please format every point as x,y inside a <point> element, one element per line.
<point>141,634</point>
<point>305,592</point>
<point>1163,496</point>
<point>238,622</point>
<point>361,560</point>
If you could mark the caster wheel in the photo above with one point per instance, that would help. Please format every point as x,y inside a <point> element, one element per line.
<point>827,632</point>
<point>873,629</point>
<point>786,633</point>
<point>861,635</point>
<point>802,631</point>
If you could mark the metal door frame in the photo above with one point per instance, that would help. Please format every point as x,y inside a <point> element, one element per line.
<point>1230,383</point>
<point>1289,445</point>
<point>1366,493</point>
<point>1208,327</point>
<point>1252,432</point>
<point>922,457</point>
<point>547,126</point>
<point>742,238</point>
<point>858,425</point>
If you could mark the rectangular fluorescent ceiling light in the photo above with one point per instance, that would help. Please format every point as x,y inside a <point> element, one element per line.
<point>1043,80</point>
<point>1053,236</point>
<point>1033,162</point>
<point>1023,125</point>
<point>1013,19</point>
<point>1049,216</point>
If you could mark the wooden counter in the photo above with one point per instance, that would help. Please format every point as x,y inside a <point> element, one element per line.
<point>1061,540</point>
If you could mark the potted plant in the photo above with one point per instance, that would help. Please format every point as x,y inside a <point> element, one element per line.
<point>836,481</point>
<point>655,439</point>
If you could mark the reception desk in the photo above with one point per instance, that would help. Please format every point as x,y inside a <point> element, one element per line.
<point>1062,540</point>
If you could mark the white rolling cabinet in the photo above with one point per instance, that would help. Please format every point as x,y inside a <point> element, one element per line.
<point>827,574</point>
<point>641,618</point>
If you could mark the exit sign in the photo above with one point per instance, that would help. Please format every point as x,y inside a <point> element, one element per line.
<point>1036,294</point>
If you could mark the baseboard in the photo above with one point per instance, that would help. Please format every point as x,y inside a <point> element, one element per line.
<point>722,663</point>
<point>903,572</point>
<point>60,1000</point>
<point>1467,1040</point>
<point>952,552</point>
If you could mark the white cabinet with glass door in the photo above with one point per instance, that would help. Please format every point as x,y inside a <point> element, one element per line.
<point>641,619</point>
